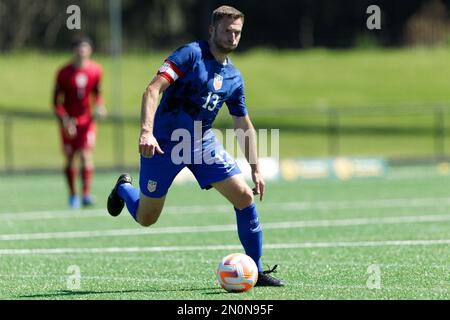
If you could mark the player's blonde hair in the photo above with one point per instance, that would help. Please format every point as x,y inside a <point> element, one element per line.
<point>225,11</point>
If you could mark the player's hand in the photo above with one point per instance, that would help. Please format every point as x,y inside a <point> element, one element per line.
<point>259,184</point>
<point>100,112</point>
<point>148,146</point>
<point>69,127</point>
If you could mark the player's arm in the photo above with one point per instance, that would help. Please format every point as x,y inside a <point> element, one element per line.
<point>68,124</point>
<point>148,145</point>
<point>246,134</point>
<point>99,102</point>
<point>173,68</point>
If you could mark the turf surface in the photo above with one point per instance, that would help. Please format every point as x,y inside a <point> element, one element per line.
<point>323,234</point>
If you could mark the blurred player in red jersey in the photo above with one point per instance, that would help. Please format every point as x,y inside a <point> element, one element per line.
<point>77,89</point>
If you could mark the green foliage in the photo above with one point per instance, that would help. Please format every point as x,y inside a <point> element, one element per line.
<point>366,40</point>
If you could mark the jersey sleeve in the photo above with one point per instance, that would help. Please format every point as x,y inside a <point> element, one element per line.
<point>177,64</point>
<point>236,103</point>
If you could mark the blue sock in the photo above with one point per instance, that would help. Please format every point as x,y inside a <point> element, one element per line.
<point>131,197</point>
<point>250,233</point>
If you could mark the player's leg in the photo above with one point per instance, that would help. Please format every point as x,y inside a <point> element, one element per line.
<point>237,191</point>
<point>221,172</point>
<point>149,210</point>
<point>87,172</point>
<point>146,202</point>
<point>70,173</point>
<point>87,137</point>
<point>239,194</point>
<point>144,210</point>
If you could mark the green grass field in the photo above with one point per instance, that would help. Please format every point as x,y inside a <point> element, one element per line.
<point>323,234</point>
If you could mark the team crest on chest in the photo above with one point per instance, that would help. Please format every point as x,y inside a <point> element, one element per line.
<point>218,80</point>
<point>81,80</point>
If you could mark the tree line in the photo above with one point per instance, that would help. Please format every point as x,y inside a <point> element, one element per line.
<point>164,24</point>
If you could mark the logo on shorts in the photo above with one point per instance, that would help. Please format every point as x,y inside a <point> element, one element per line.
<point>217,83</point>
<point>151,185</point>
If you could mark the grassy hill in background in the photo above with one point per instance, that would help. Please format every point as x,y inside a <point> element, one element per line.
<point>274,79</point>
<point>280,86</point>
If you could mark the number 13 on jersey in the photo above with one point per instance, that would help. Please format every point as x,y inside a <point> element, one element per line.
<point>211,101</point>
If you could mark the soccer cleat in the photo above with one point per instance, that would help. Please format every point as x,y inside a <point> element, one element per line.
<point>115,203</point>
<point>266,280</point>
<point>87,201</point>
<point>74,202</point>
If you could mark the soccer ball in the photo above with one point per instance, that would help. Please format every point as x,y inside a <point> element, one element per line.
<point>237,272</point>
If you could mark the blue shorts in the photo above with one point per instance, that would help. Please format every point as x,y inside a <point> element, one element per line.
<point>157,173</point>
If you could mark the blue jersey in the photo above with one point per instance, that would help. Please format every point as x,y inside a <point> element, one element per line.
<point>199,87</point>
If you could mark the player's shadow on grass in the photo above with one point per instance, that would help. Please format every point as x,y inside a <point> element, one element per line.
<point>214,293</point>
<point>62,293</point>
<point>66,293</point>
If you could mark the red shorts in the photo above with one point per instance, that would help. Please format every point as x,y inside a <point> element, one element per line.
<point>84,140</point>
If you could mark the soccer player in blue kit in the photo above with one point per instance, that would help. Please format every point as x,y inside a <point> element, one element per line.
<point>196,79</point>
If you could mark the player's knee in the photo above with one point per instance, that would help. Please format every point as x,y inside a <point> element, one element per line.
<point>149,218</point>
<point>245,199</point>
<point>87,159</point>
<point>147,221</point>
<point>70,161</point>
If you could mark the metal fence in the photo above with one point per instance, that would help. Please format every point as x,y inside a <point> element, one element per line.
<point>30,141</point>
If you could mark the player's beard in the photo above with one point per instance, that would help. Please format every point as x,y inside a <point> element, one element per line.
<point>221,48</point>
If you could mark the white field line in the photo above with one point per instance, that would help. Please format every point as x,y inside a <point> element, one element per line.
<point>273,207</point>
<point>223,228</point>
<point>383,288</point>
<point>180,260</point>
<point>57,214</point>
<point>305,245</point>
